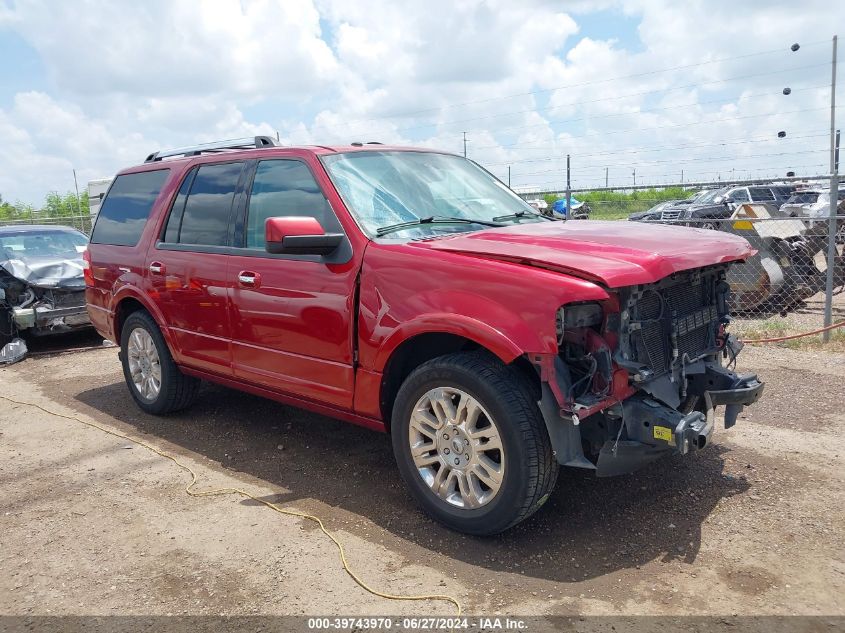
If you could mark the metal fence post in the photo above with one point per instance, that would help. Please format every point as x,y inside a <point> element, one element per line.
<point>834,203</point>
<point>568,191</point>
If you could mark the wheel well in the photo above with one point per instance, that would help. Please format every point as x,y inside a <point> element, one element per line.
<point>124,309</point>
<point>424,347</point>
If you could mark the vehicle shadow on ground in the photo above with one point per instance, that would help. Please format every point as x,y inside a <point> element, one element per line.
<point>589,527</point>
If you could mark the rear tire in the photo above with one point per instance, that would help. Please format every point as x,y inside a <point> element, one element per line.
<point>461,408</point>
<point>155,382</point>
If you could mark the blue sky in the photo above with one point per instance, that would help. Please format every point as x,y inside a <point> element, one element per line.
<point>651,85</point>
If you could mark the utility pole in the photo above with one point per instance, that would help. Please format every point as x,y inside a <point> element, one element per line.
<point>509,176</point>
<point>682,178</point>
<point>834,200</point>
<point>635,176</point>
<point>78,203</point>
<point>465,144</point>
<point>605,178</point>
<point>568,191</point>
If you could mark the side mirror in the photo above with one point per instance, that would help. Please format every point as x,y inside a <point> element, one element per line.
<point>299,236</point>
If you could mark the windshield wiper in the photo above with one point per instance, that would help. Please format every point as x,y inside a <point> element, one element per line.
<point>517,215</point>
<point>390,228</point>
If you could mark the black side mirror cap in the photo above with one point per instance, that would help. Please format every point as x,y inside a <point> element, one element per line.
<point>306,244</point>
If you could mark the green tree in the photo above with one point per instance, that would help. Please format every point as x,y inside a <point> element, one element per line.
<point>57,205</point>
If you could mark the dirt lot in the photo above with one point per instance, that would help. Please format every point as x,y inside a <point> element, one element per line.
<point>91,524</point>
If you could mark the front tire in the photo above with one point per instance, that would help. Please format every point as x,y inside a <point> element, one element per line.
<point>154,380</point>
<point>471,444</point>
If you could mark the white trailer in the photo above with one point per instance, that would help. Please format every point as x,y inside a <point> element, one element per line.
<point>96,192</point>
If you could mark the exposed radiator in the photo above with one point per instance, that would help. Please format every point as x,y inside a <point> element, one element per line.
<point>678,316</point>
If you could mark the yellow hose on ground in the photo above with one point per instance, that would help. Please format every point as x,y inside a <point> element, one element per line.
<point>243,493</point>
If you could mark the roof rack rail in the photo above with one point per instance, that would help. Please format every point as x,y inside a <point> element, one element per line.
<point>252,142</point>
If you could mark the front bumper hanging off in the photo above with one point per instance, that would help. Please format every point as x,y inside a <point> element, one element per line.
<point>653,429</point>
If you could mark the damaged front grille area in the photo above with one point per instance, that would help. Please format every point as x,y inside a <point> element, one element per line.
<point>676,318</point>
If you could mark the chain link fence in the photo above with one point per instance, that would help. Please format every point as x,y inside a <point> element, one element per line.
<point>780,291</point>
<point>79,222</point>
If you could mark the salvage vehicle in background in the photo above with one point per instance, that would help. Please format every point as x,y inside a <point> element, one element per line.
<point>655,213</point>
<point>411,292</point>
<point>707,211</point>
<point>42,290</point>
<point>811,204</point>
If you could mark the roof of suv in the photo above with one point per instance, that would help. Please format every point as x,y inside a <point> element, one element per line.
<point>179,157</point>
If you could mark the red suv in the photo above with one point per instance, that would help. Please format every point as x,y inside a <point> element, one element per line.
<point>410,291</point>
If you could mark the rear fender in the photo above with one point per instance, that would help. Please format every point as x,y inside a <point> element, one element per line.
<point>131,292</point>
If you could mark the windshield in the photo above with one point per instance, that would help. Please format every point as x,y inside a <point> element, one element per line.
<point>384,189</point>
<point>58,244</point>
<point>710,196</point>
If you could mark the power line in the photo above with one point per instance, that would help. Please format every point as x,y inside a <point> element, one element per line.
<point>641,111</point>
<point>666,148</point>
<point>553,186</point>
<point>580,85</point>
<point>660,127</point>
<point>701,159</point>
<point>370,132</point>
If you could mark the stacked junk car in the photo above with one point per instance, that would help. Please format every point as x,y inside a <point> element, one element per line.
<point>42,290</point>
<point>787,227</point>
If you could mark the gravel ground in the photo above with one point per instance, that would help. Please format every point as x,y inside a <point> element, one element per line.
<point>91,524</point>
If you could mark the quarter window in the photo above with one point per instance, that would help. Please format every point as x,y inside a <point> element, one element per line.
<point>174,221</point>
<point>284,188</point>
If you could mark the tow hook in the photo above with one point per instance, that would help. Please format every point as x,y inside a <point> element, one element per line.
<point>693,431</point>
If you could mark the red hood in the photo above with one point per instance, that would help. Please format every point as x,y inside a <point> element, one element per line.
<point>614,253</point>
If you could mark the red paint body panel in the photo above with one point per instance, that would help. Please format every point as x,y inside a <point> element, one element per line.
<point>277,229</point>
<point>614,253</point>
<point>294,332</point>
<point>308,405</point>
<point>319,335</point>
<point>193,297</point>
<point>411,289</point>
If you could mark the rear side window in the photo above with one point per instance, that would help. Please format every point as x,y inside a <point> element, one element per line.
<point>205,219</point>
<point>126,208</point>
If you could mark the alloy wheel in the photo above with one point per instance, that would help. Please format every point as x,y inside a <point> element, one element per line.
<point>144,364</point>
<point>456,448</point>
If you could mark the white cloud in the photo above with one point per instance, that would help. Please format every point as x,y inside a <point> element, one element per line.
<point>178,47</point>
<point>528,81</point>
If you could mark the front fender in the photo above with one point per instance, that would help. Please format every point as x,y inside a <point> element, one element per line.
<point>408,290</point>
<point>472,328</point>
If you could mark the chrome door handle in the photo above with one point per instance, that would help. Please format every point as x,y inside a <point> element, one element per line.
<point>157,268</point>
<point>249,279</point>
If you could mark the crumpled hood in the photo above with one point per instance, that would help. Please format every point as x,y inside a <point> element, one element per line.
<point>615,254</point>
<point>47,272</point>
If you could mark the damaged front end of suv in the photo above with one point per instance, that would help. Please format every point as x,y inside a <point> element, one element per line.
<point>42,289</point>
<point>639,376</point>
